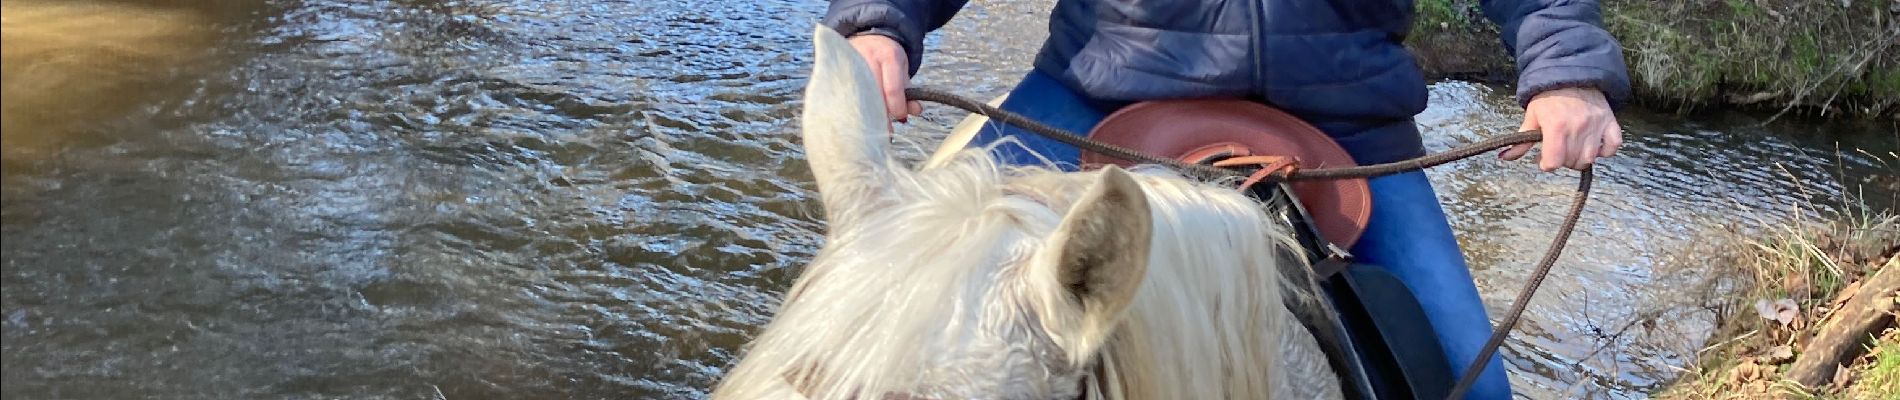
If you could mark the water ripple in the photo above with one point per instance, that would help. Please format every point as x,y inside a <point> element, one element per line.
<point>588,199</point>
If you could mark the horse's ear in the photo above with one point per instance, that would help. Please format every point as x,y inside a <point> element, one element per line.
<point>1101,252</point>
<point>844,128</point>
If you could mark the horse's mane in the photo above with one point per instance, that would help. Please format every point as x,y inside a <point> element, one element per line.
<point>1209,321</point>
<point>1199,326</point>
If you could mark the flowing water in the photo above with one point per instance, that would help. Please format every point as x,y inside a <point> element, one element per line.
<point>602,199</point>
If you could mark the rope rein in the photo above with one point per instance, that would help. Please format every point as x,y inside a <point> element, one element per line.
<point>1367,171</point>
<point>1295,174</point>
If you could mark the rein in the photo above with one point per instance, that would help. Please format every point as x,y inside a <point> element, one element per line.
<point>1276,171</point>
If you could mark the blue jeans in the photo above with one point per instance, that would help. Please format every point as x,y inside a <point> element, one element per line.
<point>1407,234</point>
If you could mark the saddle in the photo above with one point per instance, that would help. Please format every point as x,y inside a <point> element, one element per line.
<point>1376,333</point>
<point>1213,131</point>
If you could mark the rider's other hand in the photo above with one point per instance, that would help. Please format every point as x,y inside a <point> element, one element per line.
<point>1578,127</point>
<point>892,68</point>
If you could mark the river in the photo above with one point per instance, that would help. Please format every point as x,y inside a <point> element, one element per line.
<point>603,199</point>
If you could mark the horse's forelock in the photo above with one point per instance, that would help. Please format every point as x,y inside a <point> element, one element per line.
<point>949,253</point>
<point>940,265</point>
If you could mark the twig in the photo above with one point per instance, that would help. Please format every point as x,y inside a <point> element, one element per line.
<point>1706,349</point>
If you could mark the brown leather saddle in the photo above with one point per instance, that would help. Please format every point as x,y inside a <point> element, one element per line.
<point>1223,131</point>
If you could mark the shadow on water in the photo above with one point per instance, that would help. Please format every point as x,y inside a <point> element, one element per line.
<point>574,199</point>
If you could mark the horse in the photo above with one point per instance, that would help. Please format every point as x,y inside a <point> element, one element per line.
<point>968,278</point>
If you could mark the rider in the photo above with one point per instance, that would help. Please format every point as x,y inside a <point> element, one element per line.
<point>1339,65</point>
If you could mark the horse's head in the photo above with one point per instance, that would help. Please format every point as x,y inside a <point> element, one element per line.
<point>959,281</point>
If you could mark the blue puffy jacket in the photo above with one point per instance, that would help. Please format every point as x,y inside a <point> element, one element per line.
<point>1339,64</point>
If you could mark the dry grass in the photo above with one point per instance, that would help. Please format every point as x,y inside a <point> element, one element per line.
<point>1814,263</point>
<point>1809,265</point>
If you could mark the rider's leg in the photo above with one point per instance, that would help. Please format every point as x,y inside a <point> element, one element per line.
<point>1408,234</point>
<point>1045,100</point>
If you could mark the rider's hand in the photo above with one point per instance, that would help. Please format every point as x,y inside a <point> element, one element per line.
<point>892,68</point>
<point>1577,125</point>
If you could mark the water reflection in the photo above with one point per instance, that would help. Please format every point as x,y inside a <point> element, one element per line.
<point>410,200</point>
<point>415,199</point>
<point>66,63</point>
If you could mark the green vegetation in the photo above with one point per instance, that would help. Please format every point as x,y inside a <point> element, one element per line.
<point>1883,376</point>
<point>1828,57</point>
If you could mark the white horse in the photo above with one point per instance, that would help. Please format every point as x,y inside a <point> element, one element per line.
<point>971,280</point>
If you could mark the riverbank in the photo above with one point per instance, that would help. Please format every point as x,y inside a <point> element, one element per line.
<point>1809,315</point>
<point>1804,57</point>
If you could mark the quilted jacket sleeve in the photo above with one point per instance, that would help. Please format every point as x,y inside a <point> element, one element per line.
<point>1560,44</point>
<point>906,21</point>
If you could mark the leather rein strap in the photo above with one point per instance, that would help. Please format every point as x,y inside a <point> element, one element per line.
<point>1275,170</point>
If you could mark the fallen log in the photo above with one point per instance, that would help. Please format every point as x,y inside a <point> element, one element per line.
<point>1843,336</point>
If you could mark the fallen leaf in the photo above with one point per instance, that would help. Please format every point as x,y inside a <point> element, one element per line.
<point>1842,377</point>
<point>1846,293</point>
<point>1781,353</point>
<point>1797,284</point>
<point>1783,310</point>
<point>1756,387</point>
<point>1743,373</point>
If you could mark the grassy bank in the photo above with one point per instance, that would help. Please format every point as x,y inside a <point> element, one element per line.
<point>1816,57</point>
<point>1790,287</point>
